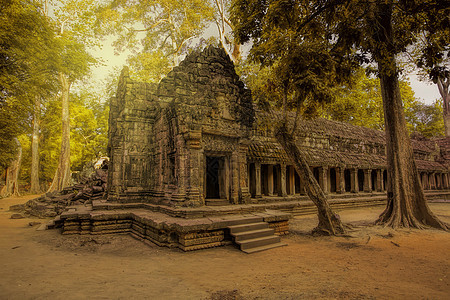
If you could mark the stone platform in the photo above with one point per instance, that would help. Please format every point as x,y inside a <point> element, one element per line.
<point>186,228</point>
<point>206,226</point>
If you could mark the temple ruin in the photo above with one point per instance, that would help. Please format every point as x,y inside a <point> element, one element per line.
<point>192,156</point>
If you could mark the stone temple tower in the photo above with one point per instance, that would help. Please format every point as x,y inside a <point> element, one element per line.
<point>182,142</point>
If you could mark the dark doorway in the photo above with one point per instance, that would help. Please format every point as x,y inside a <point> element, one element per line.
<point>333,180</point>
<point>316,174</point>
<point>298,187</point>
<point>347,180</point>
<point>264,180</point>
<point>212,177</point>
<point>289,180</point>
<point>252,175</point>
<point>360,180</point>
<point>374,180</point>
<point>277,180</point>
<point>384,180</point>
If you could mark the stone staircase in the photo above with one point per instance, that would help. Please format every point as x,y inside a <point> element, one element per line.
<point>255,236</point>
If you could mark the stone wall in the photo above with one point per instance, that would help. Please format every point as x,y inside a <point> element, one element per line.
<point>130,146</point>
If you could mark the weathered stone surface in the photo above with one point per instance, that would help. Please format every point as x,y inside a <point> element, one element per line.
<point>17,216</point>
<point>53,204</point>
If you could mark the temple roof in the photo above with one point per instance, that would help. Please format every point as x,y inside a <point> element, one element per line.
<point>333,143</point>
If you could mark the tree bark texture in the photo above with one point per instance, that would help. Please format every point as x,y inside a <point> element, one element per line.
<point>35,186</point>
<point>406,206</point>
<point>62,177</point>
<point>443,86</point>
<point>11,187</point>
<point>329,222</point>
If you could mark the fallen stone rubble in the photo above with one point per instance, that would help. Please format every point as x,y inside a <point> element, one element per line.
<point>54,203</point>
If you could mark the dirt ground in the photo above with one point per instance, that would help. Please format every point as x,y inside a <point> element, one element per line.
<point>374,263</point>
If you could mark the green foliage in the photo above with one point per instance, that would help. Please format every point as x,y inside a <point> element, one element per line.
<point>300,73</point>
<point>427,120</point>
<point>149,66</point>
<point>362,104</point>
<point>74,60</point>
<point>348,31</point>
<point>89,129</point>
<point>88,134</point>
<point>27,68</point>
<point>161,30</point>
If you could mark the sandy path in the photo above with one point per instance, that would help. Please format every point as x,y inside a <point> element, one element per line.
<point>46,265</point>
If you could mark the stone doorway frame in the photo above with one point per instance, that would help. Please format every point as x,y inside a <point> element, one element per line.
<point>224,174</point>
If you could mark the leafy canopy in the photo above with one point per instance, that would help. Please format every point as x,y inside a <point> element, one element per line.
<point>160,30</point>
<point>27,68</point>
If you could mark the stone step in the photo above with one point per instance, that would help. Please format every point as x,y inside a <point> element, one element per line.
<point>253,234</point>
<point>247,227</point>
<point>263,248</point>
<point>217,202</point>
<point>245,221</point>
<point>258,242</point>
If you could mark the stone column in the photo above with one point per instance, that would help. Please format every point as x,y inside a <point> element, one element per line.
<point>283,180</point>
<point>379,180</point>
<point>258,179</point>
<point>270,179</point>
<point>181,170</point>
<point>194,185</point>
<point>302,185</point>
<point>424,177</point>
<point>323,179</point>
<point>235,182</point>
<point>367,181</point>
<point>292,180</point>
<point>448,180</point>
<point>340,180</point>
<point>444,181</point>
<point>244,192</point>
<point>354,180</point>
<point>432,181</point>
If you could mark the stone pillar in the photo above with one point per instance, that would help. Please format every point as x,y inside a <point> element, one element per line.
<point>258,179</point>
<point>379,180</point>
<point>424,181</point>
<point>367,181</point>
<point>244,191</point>
<point>292,180</point>
<point>444,181</point>
<point>431,180</point>
<point>447,180</point>
<point>283,180</point>
<point>323,179</point>
<point>354,180</point>
<point>194,194</point>
<point>235,177</point>
<point>302,185</point>
<point>340,180</point>
<point>270,179</point>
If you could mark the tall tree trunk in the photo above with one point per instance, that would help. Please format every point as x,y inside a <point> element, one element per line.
<point>406,206</point>
<point>443,86</point>
<point>35,186</point>
<point>11,187</point>
<point>62,175</point>
<point>329,222</point>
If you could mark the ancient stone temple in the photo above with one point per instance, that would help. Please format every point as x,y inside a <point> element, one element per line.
<point>194,164</point>
<point>196,139</point>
